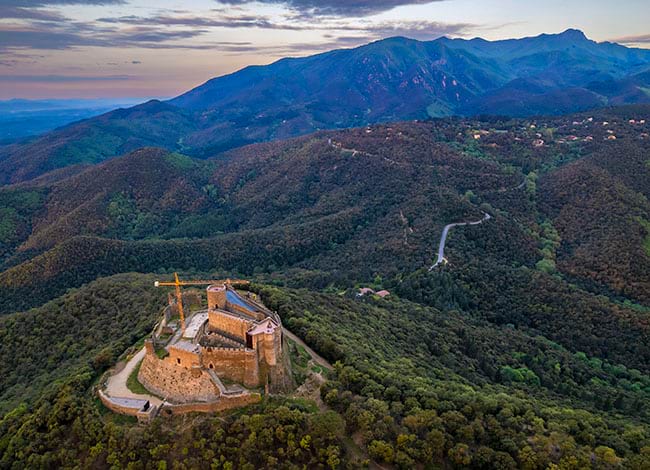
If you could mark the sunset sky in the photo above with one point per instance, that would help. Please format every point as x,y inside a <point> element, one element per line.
<point>126,48</point>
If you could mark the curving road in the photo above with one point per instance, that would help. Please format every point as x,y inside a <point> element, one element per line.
<point>443,238</point>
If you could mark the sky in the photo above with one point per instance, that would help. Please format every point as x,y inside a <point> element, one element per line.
<point>128,48</point>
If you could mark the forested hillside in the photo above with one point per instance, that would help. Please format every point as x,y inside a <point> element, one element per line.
<point>529,348</point>
<point>413,384</point>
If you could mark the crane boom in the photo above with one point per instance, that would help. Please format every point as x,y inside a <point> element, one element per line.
<point>177,283</point>
<point>204,283</point>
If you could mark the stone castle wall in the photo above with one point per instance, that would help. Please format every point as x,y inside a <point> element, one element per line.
<point>244,311</point>
<point>181,357</point>
<point>224,403</point>
<point>279,376</point>
<point>269,346</point>
<point>238,365</point>
<point>191,299</point>
<point>230,324</point>
<point>272,347</point>
<point>180,384</point>
<point>115,407</point>
<point>142,415</point>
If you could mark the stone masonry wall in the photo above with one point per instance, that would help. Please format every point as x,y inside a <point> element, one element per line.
<point>111,405</point>
<point>176,383</point>
<point>224,403</point>
<point>234,326</point>
<point>216,297</point>
<point>244,311</point>
<point>186,358</point>
<point>238,365</point>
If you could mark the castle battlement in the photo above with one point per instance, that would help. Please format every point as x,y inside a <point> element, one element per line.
<point>213,349</point>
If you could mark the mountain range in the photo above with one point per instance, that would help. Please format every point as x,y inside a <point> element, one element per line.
<point>388,80</point>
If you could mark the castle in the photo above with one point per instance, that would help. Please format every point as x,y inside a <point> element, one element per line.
<point>214,359</point>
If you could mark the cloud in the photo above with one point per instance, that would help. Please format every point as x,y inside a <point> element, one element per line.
<point>42,3</point>
<point>354,36</point>
<point>421,30</point>
<point>62,78</point>
<point>639,39</point>
<point>12,12</point>
<point>32,10</point>
<point>218,21</point>
<point>369,30</point>
<point>173,29</point>
<point>45,36</point>
<point>42,39</point>
<point>340,8</point>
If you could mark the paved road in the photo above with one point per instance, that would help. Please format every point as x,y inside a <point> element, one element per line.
<point>116,384</point>
<point>443,239</point>
<point>317,359</point>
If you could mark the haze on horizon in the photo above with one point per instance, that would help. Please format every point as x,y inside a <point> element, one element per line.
<point>126,48</point>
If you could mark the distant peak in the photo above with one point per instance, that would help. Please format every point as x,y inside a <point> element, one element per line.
<point>392,40</point>
<point>574,34</point>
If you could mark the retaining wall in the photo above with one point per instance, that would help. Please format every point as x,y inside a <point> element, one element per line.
<point>176,383</point>
<point>137,411</point>
<point>224,403</point>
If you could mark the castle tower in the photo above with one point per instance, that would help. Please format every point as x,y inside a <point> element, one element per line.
<point>217,295</point>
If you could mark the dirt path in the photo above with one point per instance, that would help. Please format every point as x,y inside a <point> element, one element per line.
<point>116,384</point>
<point>315,357</point>
<point>310,389</point>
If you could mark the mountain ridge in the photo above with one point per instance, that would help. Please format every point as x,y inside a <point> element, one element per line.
<point>393,79</point>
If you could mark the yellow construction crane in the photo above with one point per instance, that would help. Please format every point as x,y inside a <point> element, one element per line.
<point>177,283</point>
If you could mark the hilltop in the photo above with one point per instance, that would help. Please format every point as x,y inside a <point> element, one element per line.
<point>388,80</point>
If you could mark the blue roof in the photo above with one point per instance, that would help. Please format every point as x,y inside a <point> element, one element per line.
<point>234,298</point>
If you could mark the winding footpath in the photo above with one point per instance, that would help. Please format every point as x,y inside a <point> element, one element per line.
<point>116,385</point>
<point>443,239</point>
<point>321,361</point>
